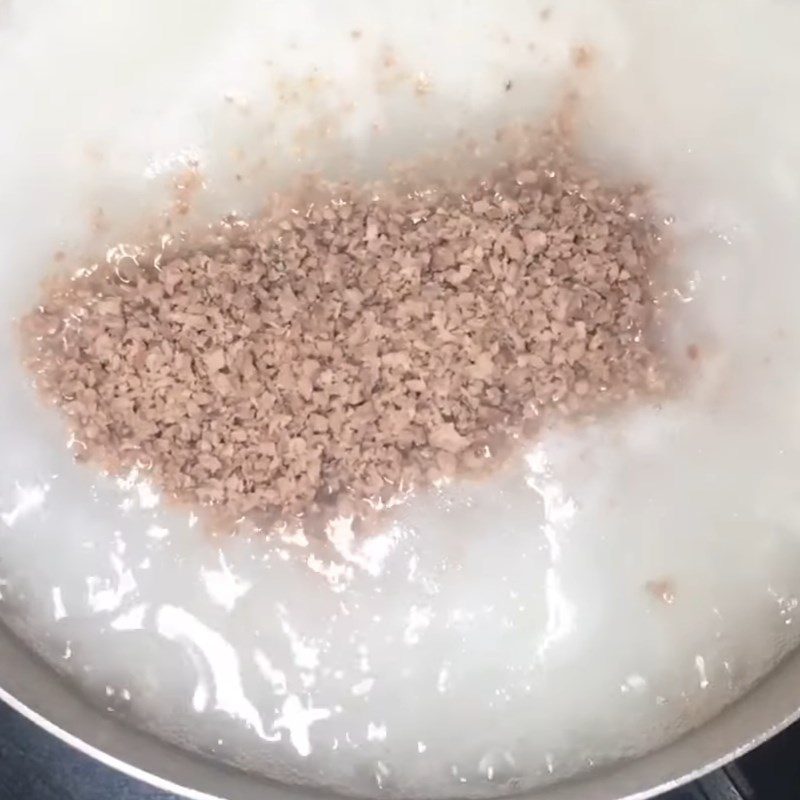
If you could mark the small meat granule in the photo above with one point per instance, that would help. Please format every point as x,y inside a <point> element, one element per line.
<point>358,345</point>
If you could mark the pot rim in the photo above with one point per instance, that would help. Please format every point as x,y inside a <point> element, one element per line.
<point>36,691</point>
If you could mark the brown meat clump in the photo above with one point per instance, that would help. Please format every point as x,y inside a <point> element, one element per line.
<point>355,347</point>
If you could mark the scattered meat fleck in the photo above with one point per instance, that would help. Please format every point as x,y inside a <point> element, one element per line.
<point>583,57</point>
<point>693,352</point>
<point>662,589</point>
<point>545,14</point>
<point>355,34</point>
<point>389,59</point>
<point>185,187</point>
<point>509,85</point>
<point>356,342</point>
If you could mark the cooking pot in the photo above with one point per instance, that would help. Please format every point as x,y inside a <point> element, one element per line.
<point>505,90</point>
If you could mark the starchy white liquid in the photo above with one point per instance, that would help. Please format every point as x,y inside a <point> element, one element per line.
<point>612,589</point>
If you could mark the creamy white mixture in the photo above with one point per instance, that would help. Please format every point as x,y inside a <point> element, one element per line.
<point>616,587</point>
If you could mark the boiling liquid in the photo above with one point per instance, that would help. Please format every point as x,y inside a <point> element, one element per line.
<point>617,585</point>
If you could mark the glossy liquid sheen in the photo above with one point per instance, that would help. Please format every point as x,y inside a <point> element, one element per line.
<point>614,587</point>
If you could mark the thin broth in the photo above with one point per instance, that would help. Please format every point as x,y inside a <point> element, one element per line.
<point>615,586</point>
